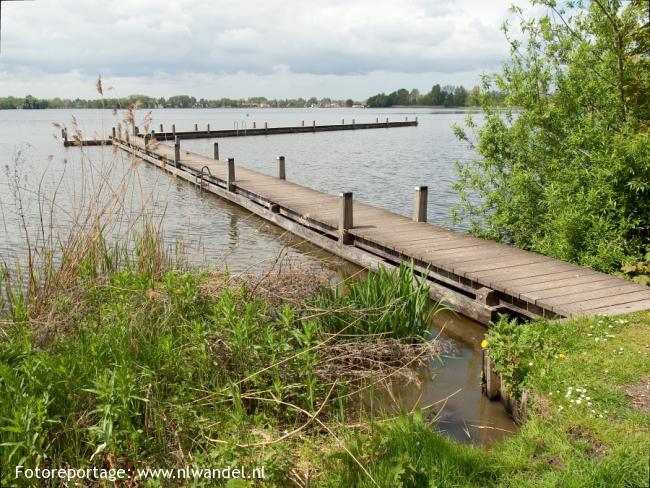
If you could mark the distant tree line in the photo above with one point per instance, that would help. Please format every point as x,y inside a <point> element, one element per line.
<point>177,101</point>
<point>445,96</point>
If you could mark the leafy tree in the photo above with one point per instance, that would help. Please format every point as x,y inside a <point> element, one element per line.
<point>567,173</point>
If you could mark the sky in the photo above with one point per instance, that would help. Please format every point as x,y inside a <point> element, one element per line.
<point>238,49</point>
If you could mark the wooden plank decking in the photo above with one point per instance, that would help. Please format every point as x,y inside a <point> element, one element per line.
<point>496,276</point>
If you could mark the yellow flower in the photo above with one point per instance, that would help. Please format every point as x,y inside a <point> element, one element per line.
<point>561,355</point>
<point>484,343</point>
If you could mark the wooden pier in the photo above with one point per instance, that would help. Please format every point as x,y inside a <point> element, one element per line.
<point>264,130</point>
<point>477,277</point>
<point>243,131</point>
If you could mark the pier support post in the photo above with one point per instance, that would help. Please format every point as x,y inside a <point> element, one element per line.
<point>345,218</point>
<point>487,296</point>
<point>420,208</point>
<point>231,174</point>
<point>281,168</point>
<point>491,381</point>
<point>216,151</point>
<point>177,152</point>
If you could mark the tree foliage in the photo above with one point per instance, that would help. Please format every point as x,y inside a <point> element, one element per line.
<point>566,171</point>
<point>448,96</point>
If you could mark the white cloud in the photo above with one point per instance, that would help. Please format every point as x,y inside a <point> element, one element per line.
<point>335,47</point>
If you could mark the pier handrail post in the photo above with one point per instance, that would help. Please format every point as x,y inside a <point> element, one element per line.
<point>231,174</point>
<point>208,128</point>
<point>177,152</point>
<point>386,121</point>
<point>196,127</point>
<point>136,130</point>
<point>162,129</point>
<point>266,126</point>
<point>113,132</point>
<point>216,151</point>
<point>342,121</point>
<point>303,123</point>
<point>376,120</point>
<point>416,121</point>
<point>346,221</point>
<point>313,125</point>
<point>354,122</point>
<point>281,168</point>
<point>420,208</point>
<point>174,129</point>
<point>254,125</point>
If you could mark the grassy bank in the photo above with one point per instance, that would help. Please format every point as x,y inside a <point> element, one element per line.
<point>144,365</point>
<point>588,422</point>
<point>116,359</point>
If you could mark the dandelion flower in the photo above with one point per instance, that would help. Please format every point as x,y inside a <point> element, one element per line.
<point>561,356</point>
<point>484,344</point>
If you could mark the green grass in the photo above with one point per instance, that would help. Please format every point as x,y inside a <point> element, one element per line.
<point>563,443</point>
<point>393,303</point>
<point>124,360</point>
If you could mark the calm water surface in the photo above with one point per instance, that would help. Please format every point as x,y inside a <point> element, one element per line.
<point>381,166</point>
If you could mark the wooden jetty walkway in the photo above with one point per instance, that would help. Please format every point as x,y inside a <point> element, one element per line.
<point>478,278</point>
<point>245,131</point>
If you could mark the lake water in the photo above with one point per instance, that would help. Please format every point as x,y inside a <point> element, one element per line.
<point>381,167</point>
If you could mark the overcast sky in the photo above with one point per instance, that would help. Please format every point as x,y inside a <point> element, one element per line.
<point>274,48</point>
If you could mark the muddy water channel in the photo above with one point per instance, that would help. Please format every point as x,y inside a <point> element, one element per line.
<point>380,166</point>
<point>447,388</point>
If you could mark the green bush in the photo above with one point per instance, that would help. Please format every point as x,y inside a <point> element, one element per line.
<point>566,170</point>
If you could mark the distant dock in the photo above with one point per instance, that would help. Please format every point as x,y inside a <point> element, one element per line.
<point>245,131</point>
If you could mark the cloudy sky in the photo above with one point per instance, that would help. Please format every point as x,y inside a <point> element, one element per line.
<point>274,48</point>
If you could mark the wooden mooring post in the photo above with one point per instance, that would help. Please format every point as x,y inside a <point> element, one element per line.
<point>346,220</point>
<point>177,152</point>
<point>208,128</point>
<point>231,174</point>
<point>174,129</point>
<point>281,168</point>
<point>196,127</point>
<point>113,131</point>
<point>216,151</point>
<point>420,207</point>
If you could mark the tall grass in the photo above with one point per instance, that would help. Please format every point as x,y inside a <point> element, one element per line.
<point>393,303</point>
